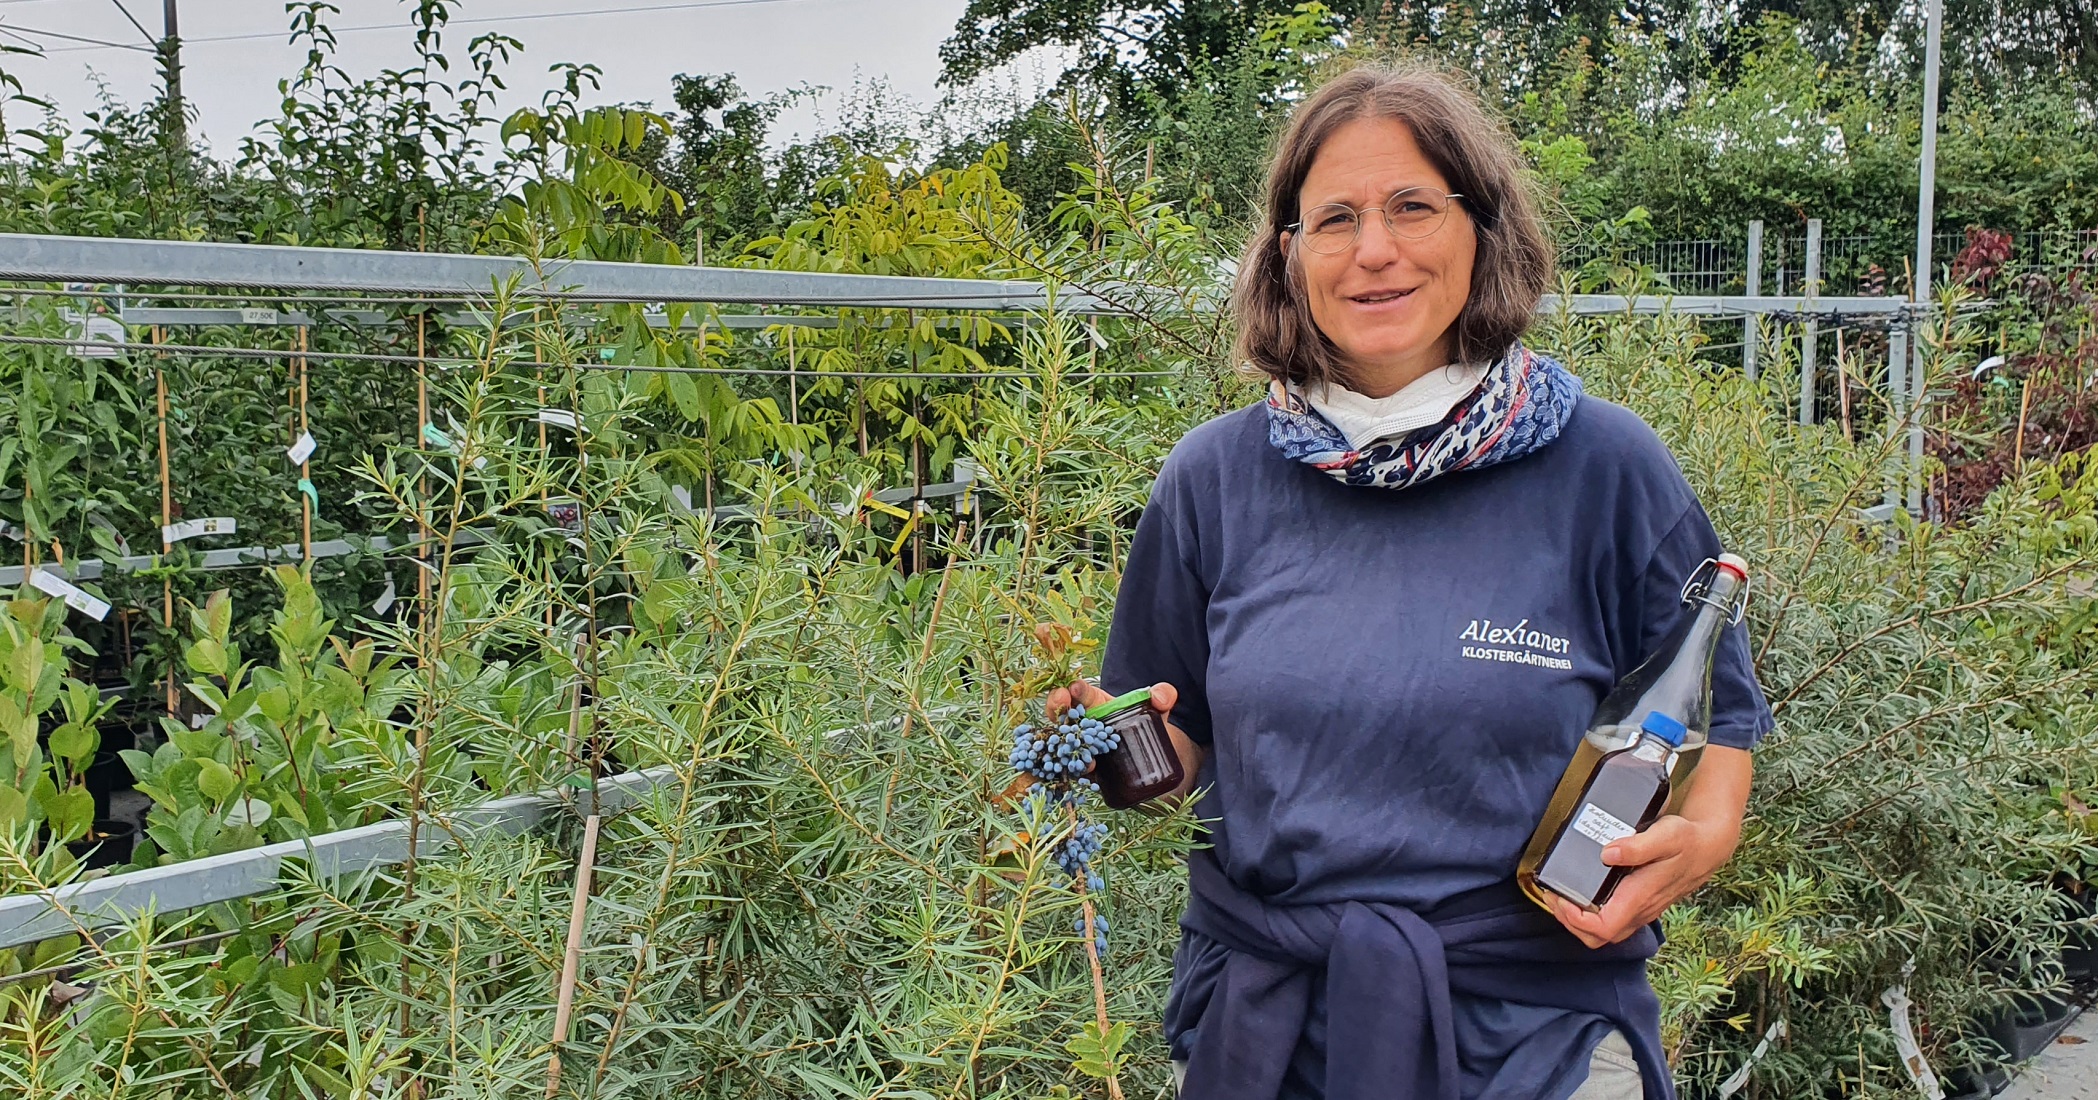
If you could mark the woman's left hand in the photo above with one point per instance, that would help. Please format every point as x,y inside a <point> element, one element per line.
<point>1674,856</point>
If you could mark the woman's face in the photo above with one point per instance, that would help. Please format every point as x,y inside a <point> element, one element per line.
<point>1389,303</point>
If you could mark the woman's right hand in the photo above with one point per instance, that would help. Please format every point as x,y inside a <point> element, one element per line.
<point>1163,696</point>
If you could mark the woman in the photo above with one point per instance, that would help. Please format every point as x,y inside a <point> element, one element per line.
<point>1298,590</point>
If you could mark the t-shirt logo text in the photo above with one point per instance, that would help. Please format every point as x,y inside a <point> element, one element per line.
<point>1516,644</point>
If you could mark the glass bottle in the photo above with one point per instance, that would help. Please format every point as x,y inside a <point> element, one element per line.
<point>1674,683</point>
<point>1145,765</point>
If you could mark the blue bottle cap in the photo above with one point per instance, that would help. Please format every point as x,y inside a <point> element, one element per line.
<point>1665,728</point>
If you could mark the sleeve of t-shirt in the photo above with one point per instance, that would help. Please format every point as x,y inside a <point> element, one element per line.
<point>1160,632</point>
<point>1740,716</point>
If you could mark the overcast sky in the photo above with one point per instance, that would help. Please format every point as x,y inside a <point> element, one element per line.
<point>235,51</point>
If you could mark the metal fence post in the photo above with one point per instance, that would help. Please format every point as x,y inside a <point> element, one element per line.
<point>1918,381</point>
<point>1898,401</point>
<point>1810,331</point>
<point>1751,328</point>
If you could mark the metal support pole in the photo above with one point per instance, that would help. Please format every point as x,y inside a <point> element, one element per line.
<point>1810,332</point>
<point>1751,329</point>
<point>1926,220</point>
<point>1898,404</point>
<point>1919,390</point>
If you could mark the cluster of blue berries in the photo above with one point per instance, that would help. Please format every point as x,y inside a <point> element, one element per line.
<point>1058,759</point>
<point>1064,752</point>
<point>1075,854</point>
<point>1099,932</point>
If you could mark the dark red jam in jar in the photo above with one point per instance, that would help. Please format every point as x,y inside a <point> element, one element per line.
<point>1145,766</point>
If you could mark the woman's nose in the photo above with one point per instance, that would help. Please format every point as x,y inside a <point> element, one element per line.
<point>1376,246</point>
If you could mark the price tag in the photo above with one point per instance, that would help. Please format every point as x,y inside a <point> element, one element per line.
<point>9,530</point>
<point>302,450</point>
<point>559,418</point>
<point>191,528</point>
<point>385,601</point>
<point>54,585</point>
<point>257,315</point>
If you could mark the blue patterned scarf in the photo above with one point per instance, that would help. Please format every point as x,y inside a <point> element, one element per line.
<point>1519,407</point>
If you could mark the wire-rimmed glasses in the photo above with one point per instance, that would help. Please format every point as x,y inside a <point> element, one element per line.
<point>1412,213</point>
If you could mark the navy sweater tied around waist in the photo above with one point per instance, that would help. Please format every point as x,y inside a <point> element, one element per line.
<point>1389,974</point>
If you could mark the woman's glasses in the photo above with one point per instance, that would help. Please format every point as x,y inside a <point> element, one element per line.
<point>1413,213</point>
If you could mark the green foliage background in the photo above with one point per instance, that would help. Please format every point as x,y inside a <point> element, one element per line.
<point>832,895</point>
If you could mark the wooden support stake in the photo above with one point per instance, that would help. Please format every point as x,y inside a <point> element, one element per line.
<point>572,957</point>
<point>2024,406</point>
<point>167,503</point>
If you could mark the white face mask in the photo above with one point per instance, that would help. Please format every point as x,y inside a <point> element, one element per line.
<point>1425,400</point>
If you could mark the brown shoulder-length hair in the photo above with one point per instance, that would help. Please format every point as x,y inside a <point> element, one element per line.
<point>1475,153</point>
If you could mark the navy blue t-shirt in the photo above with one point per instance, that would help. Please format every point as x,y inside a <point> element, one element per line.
<point>1390,682</point>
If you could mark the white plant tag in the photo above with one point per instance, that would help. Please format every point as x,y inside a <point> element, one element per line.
<point>54,585</point>
<point>386,598</point>
<point>199,721</point>
<point>1897,1001</point>
<point>191,528</point>
<point>11,531</point>
<point>99,331</point>
<point>248,811</point>
<point>683,496</point>
<point>257,315</point>
<point>302,450</point>
<point>1739,1079</point>
<point>1600,825</point>
<point>559,418</point>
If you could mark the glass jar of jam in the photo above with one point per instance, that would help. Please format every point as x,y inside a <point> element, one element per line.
<point>1145,765</point>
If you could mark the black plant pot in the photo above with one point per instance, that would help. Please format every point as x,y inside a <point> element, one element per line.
<point>1974,1082</point>
<point>2080,946</point>
<point>2027,1025</point>
<point>107,775</point>
<point>108,844</point>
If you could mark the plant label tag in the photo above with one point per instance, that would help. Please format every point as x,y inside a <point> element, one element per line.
<point>385,601</point>
<point>257,315</point>
<point>559,418</point>
<point>302,450</point>
<point>199,721</point>
<point>1600,825</point>
<point>11,531</point>
<point>54,585</point>
<point>99,332</point>
<point>1896,998</point>
<point>683,496</point>
<point>191,528</point>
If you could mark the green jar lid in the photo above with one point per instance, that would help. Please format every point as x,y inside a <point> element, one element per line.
<point>1119,703</point>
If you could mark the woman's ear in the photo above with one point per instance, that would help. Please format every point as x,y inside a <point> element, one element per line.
<point>1282,244</point>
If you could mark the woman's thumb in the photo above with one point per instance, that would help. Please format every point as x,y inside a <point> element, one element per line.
<point>1163,696</point>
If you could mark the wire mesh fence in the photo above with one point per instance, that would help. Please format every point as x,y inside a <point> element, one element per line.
<point>1851,264</point>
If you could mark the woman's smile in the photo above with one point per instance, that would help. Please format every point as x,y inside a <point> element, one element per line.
<point>1389,303</point>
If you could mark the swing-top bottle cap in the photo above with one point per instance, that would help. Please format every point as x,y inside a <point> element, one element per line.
<point>1664,727</point>
<point>1735,564</point>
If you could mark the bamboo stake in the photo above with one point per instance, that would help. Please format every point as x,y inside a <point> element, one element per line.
<point>1842,383</point>
<point>305,464</point>
<point>2024,406</point>
<point>572,957</point>
<point>167,504</point>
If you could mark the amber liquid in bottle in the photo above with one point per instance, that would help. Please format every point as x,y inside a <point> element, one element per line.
<point>1675,681</point>
<point>1145,765</point>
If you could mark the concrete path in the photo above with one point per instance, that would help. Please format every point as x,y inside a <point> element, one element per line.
<point>2067,1070</point>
